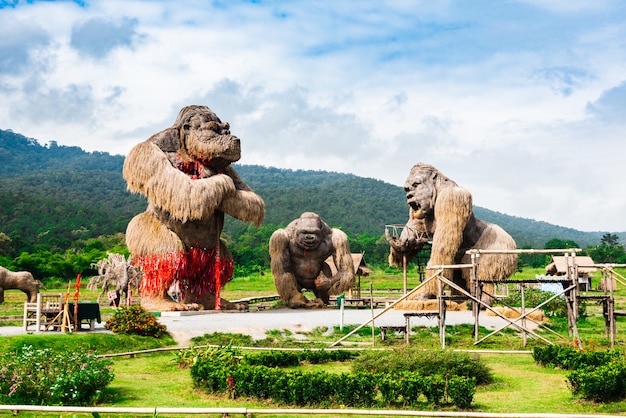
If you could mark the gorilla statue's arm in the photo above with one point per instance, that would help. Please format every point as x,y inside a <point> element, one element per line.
<point>452,212</point>
<point>148,171</point>
<point>409,243</point>
<point>344,278</point>
<point>244,204</point>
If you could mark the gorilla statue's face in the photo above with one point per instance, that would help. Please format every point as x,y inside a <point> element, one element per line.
<point>208,139</point>
<point>308,233</point>
<point>420,191</point>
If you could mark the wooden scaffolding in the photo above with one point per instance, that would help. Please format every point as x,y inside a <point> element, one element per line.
<point>570,292</point>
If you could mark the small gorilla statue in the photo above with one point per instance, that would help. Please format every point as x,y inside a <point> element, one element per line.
<point>185,173</point>
<point>441,209</point>
<point>298,253</point>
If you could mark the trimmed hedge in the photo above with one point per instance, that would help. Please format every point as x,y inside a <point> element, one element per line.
<point>425,363</point>
<point>294,358</point>
<point>320,389</point>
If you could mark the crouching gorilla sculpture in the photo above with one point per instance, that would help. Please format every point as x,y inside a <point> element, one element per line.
<point>442,210</point>
<point>21,280</point>
<point>298,253</point>
<point>185,173</point>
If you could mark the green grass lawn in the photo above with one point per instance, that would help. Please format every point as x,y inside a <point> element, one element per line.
<point>520,386</point>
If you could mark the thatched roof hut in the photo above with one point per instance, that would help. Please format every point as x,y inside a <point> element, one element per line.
<point>558,265</point>
<point>360,269</point>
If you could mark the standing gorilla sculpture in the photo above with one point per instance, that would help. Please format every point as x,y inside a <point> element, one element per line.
<point>441,209</point>
<point>298,253</point>
<point>185,173</point>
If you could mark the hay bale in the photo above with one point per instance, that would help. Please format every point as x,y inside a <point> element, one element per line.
<point>429,305</point>
<point>512,313</point>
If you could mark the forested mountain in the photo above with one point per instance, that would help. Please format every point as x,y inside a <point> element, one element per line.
<point>53,195</point>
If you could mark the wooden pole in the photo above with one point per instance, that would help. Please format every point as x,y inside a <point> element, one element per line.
<point>474,291</point>
<point>404,272</point>
<point>372,311</point>
<point>442,315</point>
<point>65,322</point>
<point>611,311</point>
<point>522,287</point>
<point>572,271</point>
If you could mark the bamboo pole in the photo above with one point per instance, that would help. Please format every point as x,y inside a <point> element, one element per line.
<point>524,335</point>
<point>404,272</point>
<point>611,311</point>
<point>372,311</point>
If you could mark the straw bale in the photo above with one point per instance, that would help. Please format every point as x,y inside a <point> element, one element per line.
<point>429,305</point>
<point>513,313</point>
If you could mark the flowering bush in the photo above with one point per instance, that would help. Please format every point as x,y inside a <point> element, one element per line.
<point>134,319</point>
<point>45,377</point>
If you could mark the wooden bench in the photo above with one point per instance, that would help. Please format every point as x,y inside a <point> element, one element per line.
<point>406,328</point>
<point>419,314</point>
<point>394,328</point>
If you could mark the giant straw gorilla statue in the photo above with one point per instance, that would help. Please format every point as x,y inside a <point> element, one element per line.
<point>298,253</point>
<point>442,210</point>
<point>185,173</point>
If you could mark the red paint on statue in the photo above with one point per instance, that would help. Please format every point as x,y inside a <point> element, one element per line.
<point>192,168</point>
<point>197,270</point>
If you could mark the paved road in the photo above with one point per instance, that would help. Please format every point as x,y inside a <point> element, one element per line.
<point>185,325</point>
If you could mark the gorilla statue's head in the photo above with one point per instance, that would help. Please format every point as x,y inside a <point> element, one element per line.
<point>206,138</point>
<point>421,188</point>
<point>309,231</point>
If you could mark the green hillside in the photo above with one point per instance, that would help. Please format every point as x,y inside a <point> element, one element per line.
<point>54,195</point>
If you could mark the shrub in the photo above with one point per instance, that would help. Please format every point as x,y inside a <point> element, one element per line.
<point>189,356</point>
<point>534,297</point>
<point>461,391</point>
<point>569,358</point>
<point>325,389</point>
<point>45,377</point>
<point>598,376</point>
<point>134,319</point>
<point>294,358</point>
<point>425,362</point>
<point>599,384</point>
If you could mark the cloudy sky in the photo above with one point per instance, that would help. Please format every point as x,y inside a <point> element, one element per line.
<point>523,102</point>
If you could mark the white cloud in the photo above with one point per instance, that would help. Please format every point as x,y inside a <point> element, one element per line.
<point>520,102</point>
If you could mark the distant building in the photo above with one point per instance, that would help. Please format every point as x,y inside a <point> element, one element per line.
<point>360,270</point>
<point>558,267</point>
